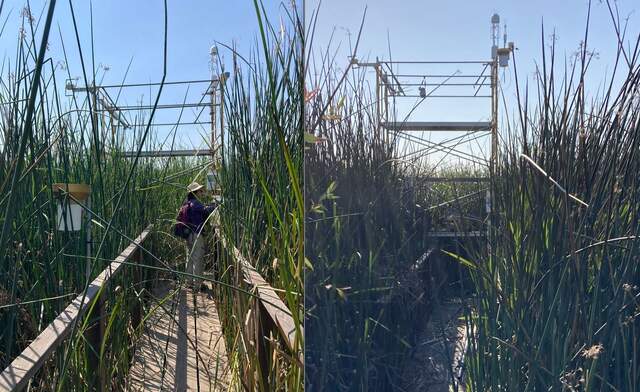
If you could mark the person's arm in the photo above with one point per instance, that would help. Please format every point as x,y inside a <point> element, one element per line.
<point>210,208</point>
<point>197,207</point>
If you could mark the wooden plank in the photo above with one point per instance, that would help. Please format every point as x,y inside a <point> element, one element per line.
<point>182,348</point>
<point>277,310</point>
<point>23,368</point>
<point>274,306</point>
<point>439,351</point>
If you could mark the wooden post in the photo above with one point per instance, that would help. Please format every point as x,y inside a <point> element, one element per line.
<point>94,335</point>
<point>136,313</point>
<point>147,274</point>
<point>262,346</point>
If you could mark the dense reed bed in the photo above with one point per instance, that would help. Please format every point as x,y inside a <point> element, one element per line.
<point>558,300</point>
<point>46,138</point>
<point>368,216</point>
<point>261,181</point>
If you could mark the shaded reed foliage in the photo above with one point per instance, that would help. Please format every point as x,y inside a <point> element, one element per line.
<point>558,298</point>
<point>365,229</point>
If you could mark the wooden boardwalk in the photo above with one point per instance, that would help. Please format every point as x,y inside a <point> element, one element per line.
<point>439,355</point>
<point>181,345</point>
<point>182,348</point>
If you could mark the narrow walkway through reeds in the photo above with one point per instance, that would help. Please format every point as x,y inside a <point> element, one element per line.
<point>182,348</point>
<point>440,351</point>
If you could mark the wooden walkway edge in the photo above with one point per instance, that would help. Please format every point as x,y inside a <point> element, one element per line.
<point>18,374</point>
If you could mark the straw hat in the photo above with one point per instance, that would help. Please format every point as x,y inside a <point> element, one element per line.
<point>194,186</point>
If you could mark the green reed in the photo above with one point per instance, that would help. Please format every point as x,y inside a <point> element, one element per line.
<point>261,181</point>
<point>45,139</point>
<point>557,299</point>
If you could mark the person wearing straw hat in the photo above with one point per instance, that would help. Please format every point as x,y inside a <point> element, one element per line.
<point>197,214</point>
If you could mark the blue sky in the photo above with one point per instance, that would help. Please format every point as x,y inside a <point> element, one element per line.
<point>460,30</point>
<point>418,29</point>
<point>126,30</point>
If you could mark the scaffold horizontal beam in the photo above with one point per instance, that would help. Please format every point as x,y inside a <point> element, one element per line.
<point>167,153</point>
<point>437,126</point>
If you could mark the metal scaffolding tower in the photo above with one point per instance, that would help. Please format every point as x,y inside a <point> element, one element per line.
<point>101,102</point>
<point>394,85</point>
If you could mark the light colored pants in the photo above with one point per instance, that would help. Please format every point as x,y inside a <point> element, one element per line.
<point>195,254</point>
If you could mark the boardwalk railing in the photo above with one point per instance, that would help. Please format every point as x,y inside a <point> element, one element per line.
<point>24,367</point>
<point>268,314</point>
<point>270,303</point>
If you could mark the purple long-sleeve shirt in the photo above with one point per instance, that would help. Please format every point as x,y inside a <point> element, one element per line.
<point>198,213</point>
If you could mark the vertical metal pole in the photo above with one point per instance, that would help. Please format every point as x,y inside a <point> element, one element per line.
<point>94,120</point>
<point>386,113</point>
<point>494,154</point>
<point>88,239</point>
<point>494,115</point>
<point>213,115</point>
<point>378,127</point>
<point>222,80</point>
